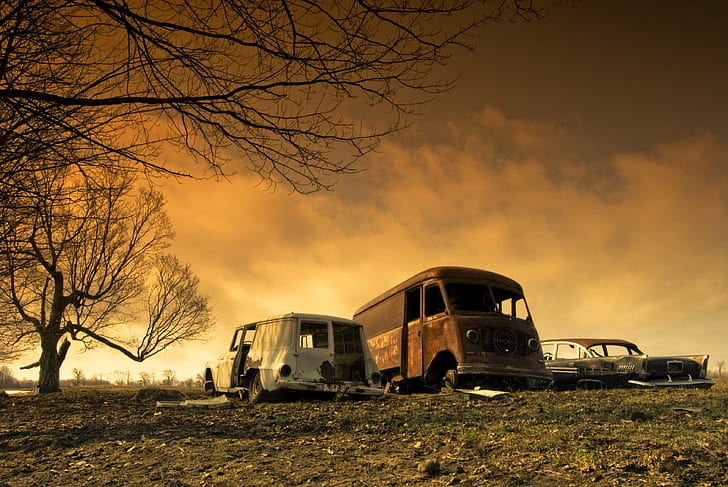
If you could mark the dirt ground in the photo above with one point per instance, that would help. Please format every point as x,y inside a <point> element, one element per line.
<point>111,437</point>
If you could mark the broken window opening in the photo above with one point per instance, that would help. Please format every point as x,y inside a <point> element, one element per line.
<point>511,304</point>
<point>313,335</point>
<point>412,305</point>
<point>349,353</point>
<point>434,303</point>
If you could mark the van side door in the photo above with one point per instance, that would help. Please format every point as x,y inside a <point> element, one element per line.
<point>412,333</point>
<point>315,352</point>
<point>225,372</point>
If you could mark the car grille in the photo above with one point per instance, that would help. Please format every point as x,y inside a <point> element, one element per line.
<point>674,367</point>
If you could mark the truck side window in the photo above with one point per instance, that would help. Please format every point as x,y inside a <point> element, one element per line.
<point>434,303</point>
<point>412,305</point>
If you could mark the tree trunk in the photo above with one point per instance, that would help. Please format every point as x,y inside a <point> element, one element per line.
<point>50,365</point>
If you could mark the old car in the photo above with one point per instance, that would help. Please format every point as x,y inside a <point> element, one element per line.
<point>597,363</point>
<point>295,352</point>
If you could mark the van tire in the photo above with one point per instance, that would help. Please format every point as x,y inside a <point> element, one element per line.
<point>450,381</point>
<point>210,388</point>
<point>256,393</point>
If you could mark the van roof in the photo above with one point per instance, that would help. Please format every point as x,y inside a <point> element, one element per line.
<point>305,316</point>
<point>446,272</point>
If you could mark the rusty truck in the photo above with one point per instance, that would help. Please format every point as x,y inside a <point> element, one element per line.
<point>449,327</point>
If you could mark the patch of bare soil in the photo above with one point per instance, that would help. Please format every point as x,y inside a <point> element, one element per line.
<point>100,437</point>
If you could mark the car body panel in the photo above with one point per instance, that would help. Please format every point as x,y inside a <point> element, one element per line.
<point>589,363</point>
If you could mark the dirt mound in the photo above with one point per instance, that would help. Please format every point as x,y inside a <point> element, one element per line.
<point>151,395</point>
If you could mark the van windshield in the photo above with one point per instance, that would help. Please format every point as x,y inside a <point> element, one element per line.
<point>480,298</point>
<point>469,297</point>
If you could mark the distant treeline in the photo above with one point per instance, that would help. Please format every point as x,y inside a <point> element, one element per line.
<point>117,378</point>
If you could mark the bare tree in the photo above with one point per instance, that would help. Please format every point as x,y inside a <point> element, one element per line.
<point>6,377</point>
<point>170,377</point>
<point>8,351</point>
<point>145,378</point>
<point>281,84</point>
<point>121,377</point>
<point>78,376</point>
<point>82,259</point>
<point>721,365</point>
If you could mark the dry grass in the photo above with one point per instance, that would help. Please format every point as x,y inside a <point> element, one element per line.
<point>618,437</point>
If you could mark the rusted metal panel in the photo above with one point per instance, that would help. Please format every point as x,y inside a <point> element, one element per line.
<point>386,348</point>
<point>414,350</point>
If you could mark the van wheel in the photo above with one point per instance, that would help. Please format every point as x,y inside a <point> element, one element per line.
<point>210,388</point>
<point>450,381</point>
<point>256,392</point>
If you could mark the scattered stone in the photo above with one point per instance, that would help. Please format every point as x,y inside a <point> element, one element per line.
<point>429,467</point>
<point>640,416</point>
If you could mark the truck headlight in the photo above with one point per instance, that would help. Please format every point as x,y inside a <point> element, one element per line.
<point>472,335</point>
<point>376,377</point>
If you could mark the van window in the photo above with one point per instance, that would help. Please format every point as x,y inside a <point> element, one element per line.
<point>412,305</point>
<point>274,335</point>
<point>236,340</point>
<point>314,335</point>
<point>347,338</point>
<point>469,297</point>
<point>434,304</point>
<point>249,336</point>
<point>510,303</point>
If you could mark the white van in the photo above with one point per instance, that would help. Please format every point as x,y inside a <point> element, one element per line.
<point>295,352</point>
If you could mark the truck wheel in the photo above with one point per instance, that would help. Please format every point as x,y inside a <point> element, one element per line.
<point>450,381</point>
<point>256,392</point>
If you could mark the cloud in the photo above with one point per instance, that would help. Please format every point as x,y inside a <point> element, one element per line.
<point>631,246</point>
<point>615,246</point>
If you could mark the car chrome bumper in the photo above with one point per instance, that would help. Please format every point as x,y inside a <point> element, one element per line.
<point>658,383</point>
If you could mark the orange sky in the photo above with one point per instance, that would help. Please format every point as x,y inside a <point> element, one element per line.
<point>584,155</point>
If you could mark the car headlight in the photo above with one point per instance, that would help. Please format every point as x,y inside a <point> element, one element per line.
<point>533,344</point>
<point>472,335</point>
